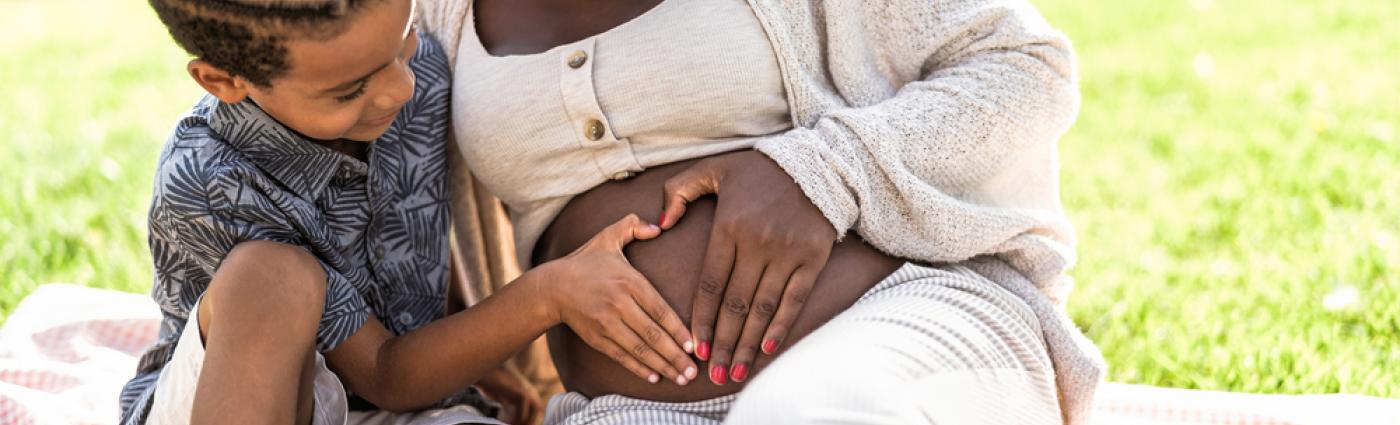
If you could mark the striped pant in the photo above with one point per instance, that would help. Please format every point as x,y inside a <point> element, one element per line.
<point>926,345</point>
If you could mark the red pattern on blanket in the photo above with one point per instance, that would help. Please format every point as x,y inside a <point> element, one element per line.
<point>66,351</point>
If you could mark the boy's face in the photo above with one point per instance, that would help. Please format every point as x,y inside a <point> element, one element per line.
<point>351,86</point>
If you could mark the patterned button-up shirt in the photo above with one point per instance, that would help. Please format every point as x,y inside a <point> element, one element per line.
<point>231,174</point>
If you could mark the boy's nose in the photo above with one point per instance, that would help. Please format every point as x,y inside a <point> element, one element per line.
<point>401,90</point>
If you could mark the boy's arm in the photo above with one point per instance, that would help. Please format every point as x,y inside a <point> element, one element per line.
<point>608,303</point>
<point>259,320</point>
<point>419,368</point>
<point>520,401</point>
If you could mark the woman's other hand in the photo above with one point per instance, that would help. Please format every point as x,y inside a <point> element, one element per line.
<point>767,246</point>
<point>614,309</point>
<point>520,403</point>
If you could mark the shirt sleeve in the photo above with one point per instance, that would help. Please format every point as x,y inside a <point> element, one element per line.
<point>206,210</point>
<point>976,88</point>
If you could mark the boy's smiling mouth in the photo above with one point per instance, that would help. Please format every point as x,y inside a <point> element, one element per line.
<point>374,122</point>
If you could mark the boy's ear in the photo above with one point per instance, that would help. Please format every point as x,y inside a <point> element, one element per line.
<point>216,81</point>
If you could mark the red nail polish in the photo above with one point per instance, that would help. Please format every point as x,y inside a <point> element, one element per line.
<point>770,345</point>
<point>702,350</point>
<point>718,375</point>
<point>661,221</point>
<point>740,372</point>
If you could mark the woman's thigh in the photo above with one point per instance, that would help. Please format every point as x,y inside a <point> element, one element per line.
<point>926,345</point>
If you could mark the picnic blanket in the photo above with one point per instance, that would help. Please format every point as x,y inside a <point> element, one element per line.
<point>66,351</point>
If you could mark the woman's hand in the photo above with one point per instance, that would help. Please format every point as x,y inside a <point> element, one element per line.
<point>520,404</point>
<point>614,309</point>
<point>767,246</point>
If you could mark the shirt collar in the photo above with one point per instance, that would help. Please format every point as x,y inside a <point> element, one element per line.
<point>303,167</point>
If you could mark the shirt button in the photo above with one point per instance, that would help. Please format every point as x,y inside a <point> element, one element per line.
<point>379,252</point>
<point>594,130</point>
<point>623,175</point>
<point>405,318</point>
<point>577,59</point>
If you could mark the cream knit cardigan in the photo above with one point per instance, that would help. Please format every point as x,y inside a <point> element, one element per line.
<point>927,126</point>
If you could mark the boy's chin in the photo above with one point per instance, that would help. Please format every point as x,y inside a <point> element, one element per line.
<point>366,135</point>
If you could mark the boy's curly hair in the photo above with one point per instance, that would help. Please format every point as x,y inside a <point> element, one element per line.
<point>247,37</point>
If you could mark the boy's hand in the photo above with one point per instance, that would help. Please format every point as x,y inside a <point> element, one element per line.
<point>615,309</point>
<point>519,401</point>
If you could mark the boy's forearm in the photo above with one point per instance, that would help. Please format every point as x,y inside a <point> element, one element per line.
<point>419,368</point>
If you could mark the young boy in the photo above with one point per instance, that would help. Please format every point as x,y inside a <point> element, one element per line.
<point>299,233</point>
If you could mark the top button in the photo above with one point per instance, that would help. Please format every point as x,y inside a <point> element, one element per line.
<point>594,130</point>
<point>577,59</point>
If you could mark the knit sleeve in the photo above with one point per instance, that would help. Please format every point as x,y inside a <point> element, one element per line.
<point>930,170</point>
<point>445,20</point>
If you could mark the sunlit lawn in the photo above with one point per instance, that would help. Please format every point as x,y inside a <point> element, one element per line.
<point>1235,163</point>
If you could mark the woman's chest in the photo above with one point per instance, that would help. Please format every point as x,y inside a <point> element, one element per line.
<point>523,27</point>
<point>682,76</point>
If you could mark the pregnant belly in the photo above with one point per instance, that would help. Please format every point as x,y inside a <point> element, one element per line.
<point>672,263</point>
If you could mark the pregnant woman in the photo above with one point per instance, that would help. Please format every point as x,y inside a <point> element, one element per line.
<point>884,243</point>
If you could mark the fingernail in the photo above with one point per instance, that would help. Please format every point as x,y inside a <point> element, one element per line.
<point>703,350</point>
<point>689,347</point>
<point>654,227</point>
<point>740,372</point>
<point>690,372</point>
<point>718,375</point>
<point>770,345</point>
<point>662,220</point>
<point>680,380</point>
<point>654,378</point>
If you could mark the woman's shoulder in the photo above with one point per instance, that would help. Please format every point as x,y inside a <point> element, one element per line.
<point>444,20</point>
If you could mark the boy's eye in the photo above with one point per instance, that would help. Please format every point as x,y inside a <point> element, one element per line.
<point>353,95</point>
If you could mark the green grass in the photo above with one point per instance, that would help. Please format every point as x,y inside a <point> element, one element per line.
<point>1235,163</point>
<point>88,91</point>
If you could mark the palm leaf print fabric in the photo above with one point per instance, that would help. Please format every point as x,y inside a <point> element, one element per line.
<point>230,174</point>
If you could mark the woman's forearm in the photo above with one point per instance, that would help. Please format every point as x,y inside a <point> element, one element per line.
<point>419,368</point>
<point>961,158</point>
